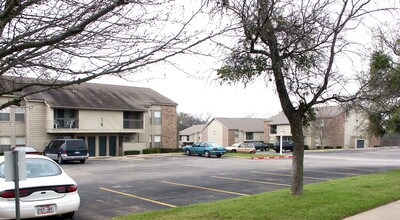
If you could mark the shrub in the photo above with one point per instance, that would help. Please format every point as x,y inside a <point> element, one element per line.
<point>151,150</point>
<point>339,147</point>
<point>132,152</point>
<point>328,147</point>
<point>306,147</point>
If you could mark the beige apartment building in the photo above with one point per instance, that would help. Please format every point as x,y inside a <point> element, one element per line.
<point>110,118</point>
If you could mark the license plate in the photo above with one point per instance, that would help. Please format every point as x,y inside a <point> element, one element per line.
<point>45,209</point>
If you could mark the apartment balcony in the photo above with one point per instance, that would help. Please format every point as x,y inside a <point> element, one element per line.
<point>133,124</point>
<point>66,123</point>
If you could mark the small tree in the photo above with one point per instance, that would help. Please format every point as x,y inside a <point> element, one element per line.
<point>295,44</point>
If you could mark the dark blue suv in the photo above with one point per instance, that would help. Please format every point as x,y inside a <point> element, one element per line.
<point>286,145</point>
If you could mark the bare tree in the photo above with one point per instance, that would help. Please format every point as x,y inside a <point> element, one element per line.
<point>295,44</point>
<point>63,42</point>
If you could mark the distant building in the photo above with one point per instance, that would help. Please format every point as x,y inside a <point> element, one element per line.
<point>227,131</point>
<point>111,119</point>
<point>191,135</point>
<point>334,127</point>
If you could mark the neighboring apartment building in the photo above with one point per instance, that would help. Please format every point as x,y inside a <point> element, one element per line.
<point>334,126</point>
<point>191,135</point>
<point>111,119</point>
<point>227,131</point>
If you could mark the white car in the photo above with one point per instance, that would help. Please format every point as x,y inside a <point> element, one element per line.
<point>247,148</point>
<point>47,191</point>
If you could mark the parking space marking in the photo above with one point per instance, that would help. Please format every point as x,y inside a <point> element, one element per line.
<point>278,174</point>
<point>250,181</point>
<point>205,188</point>
<point>322,171</point>
<point>138,197</point>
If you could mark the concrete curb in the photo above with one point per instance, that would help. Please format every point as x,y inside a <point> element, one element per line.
<point>271,157</point>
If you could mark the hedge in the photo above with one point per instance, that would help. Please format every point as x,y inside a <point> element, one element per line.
<point>161,150</point>
<point>132,152</point>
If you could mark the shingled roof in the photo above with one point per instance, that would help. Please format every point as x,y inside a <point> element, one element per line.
<point>192,129</point>
<point>102,97</point>
<point>321,112</point>
<point>243,124</point>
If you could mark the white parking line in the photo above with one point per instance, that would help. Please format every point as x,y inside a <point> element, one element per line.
<point>205,188</point>
<point>250,181</point>
<point>278,174</point>
<point>138,197</point>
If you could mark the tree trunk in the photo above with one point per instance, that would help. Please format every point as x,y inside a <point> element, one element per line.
<point>296,126</point>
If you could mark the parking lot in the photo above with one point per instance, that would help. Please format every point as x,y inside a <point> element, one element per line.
<point>116,186</point>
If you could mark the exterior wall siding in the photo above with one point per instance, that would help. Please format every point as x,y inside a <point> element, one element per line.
<point>215,132</point>
<point>100,120</point>
<point>37,125</point>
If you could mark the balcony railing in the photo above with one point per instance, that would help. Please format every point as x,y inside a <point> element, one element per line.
<point>133,124</point>
<point>62,123</point>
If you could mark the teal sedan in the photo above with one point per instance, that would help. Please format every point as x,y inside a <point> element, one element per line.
<point>204,148</point>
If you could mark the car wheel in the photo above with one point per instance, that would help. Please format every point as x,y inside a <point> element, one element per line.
<point>207,154</point>
<point>187,152</point>
<point>44,153</point>
<point>68,215</point>
<point>233,151</point>
<point>277,150</point>
<point>59,159</point>
<point>82,161</point>
<point>219,155</point>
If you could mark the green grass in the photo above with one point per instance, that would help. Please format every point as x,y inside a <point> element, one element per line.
<point>333,199</point>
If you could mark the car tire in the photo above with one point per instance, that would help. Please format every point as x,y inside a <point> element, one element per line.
<point>219,155</point>
<point>44,153</point>
<point>68,215</point>
<point>277,150</point>
<point>82,161</point>
<point>187,152</point>
<point>233,151</point>
<point>207,154</point>
<point>60,160</point>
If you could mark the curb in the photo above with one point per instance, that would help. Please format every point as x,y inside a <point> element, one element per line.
<point>271,157</point>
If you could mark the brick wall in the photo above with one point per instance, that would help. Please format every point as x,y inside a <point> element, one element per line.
<point>169,127</point>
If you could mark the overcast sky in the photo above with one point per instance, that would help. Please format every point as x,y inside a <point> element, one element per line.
<point>196,92</point>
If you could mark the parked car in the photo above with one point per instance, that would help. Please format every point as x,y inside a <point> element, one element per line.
<point>67,150</point>
<point>204,148</point>
<point>261,146</point>
<point>286,145</point>
<point>247,148</point>
<point>26,149</point>
<point>47,191</point>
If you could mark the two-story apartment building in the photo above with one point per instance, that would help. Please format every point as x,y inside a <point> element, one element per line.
<point>110,118</point>
<point>334,126</point>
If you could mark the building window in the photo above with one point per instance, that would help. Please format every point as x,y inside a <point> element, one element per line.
<point>19,114</point>
<point>157,141</point>
<point>20,141</point>
<point>133,120</point>
<point>273,129</point>
<point>5,143</point>
<point>249,136</point>
<point>157,117</point>
<point>5,114</point>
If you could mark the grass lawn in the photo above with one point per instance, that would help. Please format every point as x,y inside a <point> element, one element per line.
<point>333,199</point>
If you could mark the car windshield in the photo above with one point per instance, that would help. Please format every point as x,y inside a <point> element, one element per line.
<point>36,167</point>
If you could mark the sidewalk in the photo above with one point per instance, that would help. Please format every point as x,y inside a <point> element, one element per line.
<point>390,211</point>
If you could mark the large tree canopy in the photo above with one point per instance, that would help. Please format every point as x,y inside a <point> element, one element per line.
<point>63,42</point>
<point>295,44</point>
